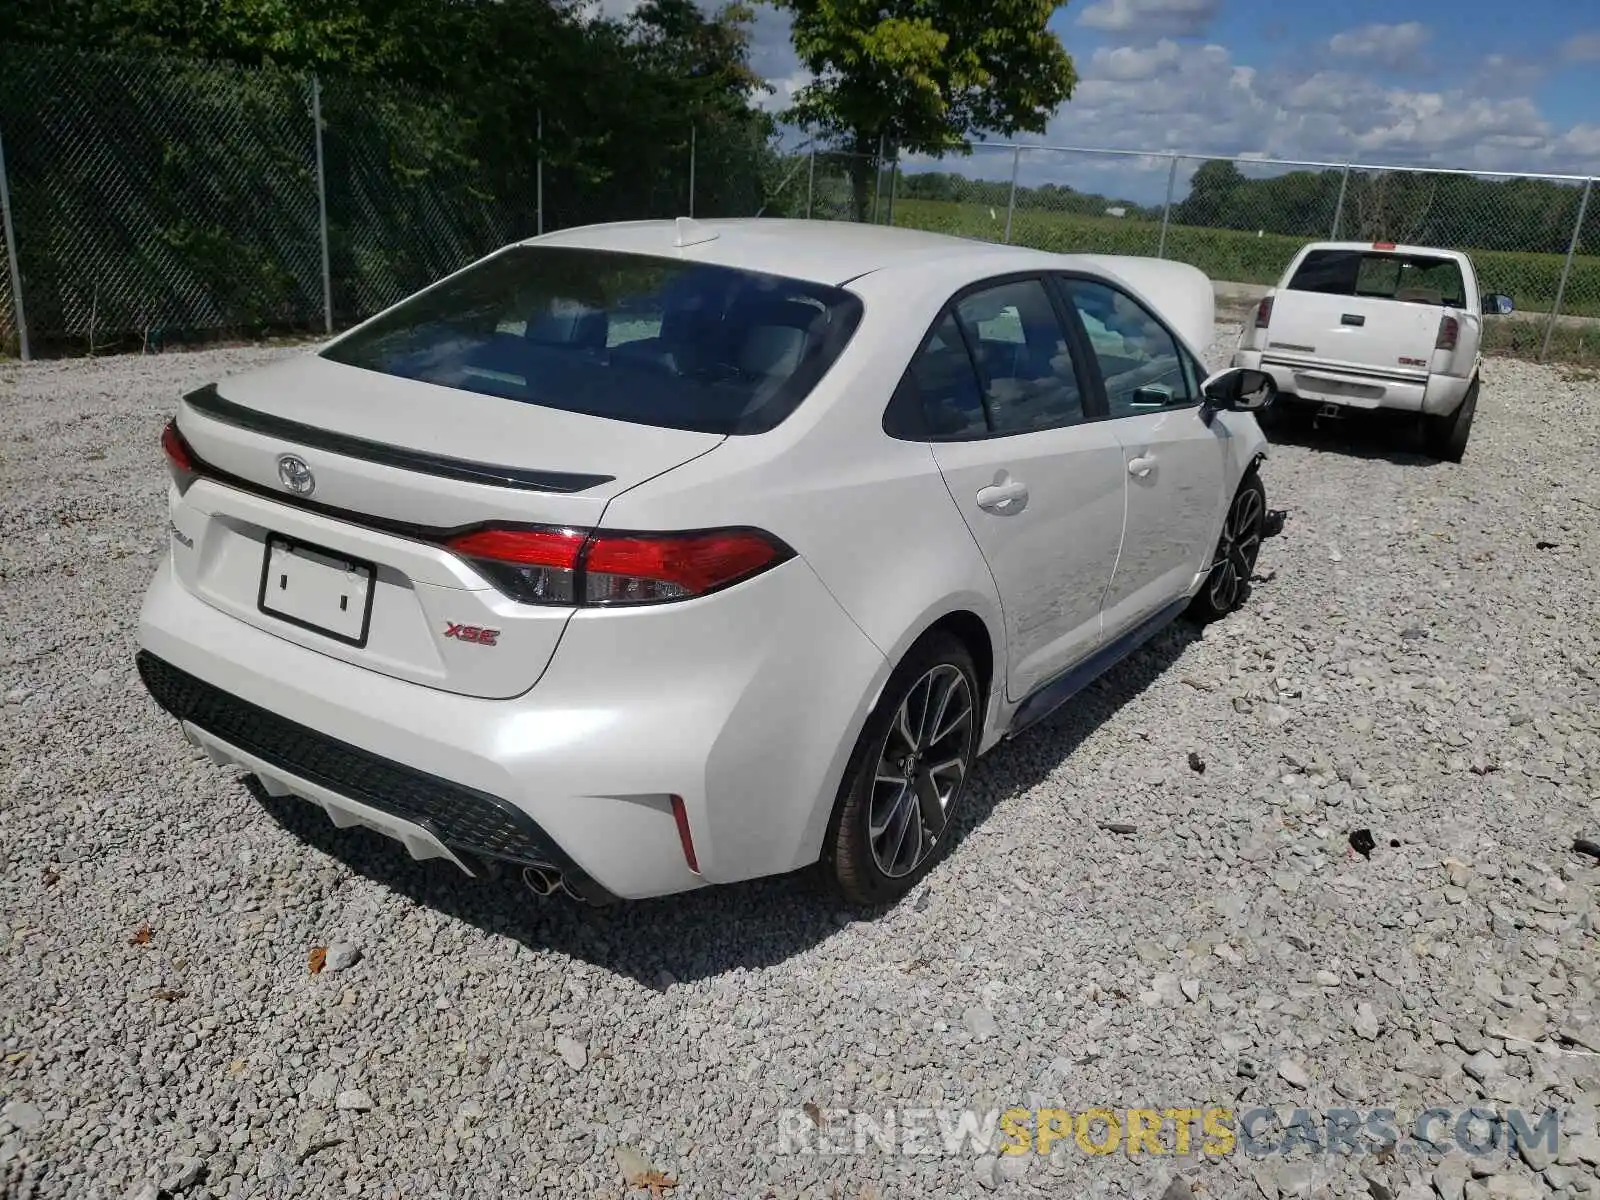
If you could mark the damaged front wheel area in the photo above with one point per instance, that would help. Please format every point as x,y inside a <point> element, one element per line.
<point>1228,581</point>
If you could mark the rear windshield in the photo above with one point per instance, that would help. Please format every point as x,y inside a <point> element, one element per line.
<point>636,338</point>
<point>1411,278</point>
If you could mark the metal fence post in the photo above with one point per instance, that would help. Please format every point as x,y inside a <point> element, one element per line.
<point>894,179</point>
<point>1566,270</point>
<point>322,207</point>
<point>1338,208</point>
<point>1011,197</point>
<point>11,258</point>
<point>811,181</point>
<point>538,175</point>
<point>691,169</point>
<point>877,179</point>
<point>1166,209</point>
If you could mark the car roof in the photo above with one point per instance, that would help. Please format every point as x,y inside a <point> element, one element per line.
<point>828,252</point>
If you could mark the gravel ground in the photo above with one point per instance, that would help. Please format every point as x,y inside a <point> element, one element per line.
<point>1419,659</point>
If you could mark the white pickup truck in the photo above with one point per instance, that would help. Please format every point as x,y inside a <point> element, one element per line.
<point>1359,325</point>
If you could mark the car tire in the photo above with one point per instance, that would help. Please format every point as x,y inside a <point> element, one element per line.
<point>1446,436</point>
<point>1228,581</point>
<point>906,775</point>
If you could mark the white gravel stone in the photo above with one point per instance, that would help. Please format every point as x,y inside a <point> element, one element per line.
<point>706,1016</point>
<point>341,956</point>
<point>353,1100</point>
<point>23,1115</point>
<point>573,1052</point>
<point>182,1174</point>
<point>1482,1066</point>
<point>1366,1022</point>
<point>986,1172</point>
<point>980,1023</point>
<point>1293,1073</point>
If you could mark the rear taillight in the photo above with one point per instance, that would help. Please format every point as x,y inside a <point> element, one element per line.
<point>599,568</point>
<point>181,462</point>
<point>1449,334</point>
<point>1264,312</point>
<point>535,566</point>
<point>649,568</point>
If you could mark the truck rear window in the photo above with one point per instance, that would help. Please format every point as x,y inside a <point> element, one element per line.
<point>655,341</point>
<point>1410,278</point>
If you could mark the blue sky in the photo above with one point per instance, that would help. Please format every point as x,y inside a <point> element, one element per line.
<point>1496,85</point>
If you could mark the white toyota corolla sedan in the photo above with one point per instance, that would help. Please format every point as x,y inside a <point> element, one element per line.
<point>645,556</point>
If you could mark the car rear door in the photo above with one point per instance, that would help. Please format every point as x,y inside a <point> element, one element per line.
<point>1039,483</point>
<point>1173,461</point>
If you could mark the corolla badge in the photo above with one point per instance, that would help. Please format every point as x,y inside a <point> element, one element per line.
<point>295,475</point>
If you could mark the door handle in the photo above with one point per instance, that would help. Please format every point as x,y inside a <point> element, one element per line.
<point>1003,498</point>
<point>1141,466</point>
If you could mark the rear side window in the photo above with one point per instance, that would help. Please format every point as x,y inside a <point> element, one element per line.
<point>1029,379</point>
<point>952,405</point>
<point>635,338</point>
<point>996,363</point>
<point>1411,278</point>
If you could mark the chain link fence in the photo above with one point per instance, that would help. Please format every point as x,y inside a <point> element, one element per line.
<point>156,200</point>
<point>1242,220</point>
<point>157,195</point>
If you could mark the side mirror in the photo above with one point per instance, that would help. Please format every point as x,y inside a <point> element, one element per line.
<point>1239,389</point>
<point>1497,305</point>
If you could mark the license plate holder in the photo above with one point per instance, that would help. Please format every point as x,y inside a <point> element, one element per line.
<point>317,589</point>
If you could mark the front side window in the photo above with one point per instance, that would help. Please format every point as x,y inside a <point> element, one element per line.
<point>1029,379</point>
<point>631,337</point>
<point>1144,368</point>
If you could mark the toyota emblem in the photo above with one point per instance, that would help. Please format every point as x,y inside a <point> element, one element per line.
<point>295,475</point>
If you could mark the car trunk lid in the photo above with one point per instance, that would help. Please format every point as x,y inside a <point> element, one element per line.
<point>306,526</point>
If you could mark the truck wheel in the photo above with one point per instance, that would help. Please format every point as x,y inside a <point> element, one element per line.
<point>1446,436</point>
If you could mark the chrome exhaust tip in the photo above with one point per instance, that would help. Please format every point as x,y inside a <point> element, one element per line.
<point>543,880</point>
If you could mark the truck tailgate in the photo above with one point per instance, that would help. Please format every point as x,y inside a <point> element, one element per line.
<point>1369,335</point>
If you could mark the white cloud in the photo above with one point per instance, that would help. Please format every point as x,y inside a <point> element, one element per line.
<point>1387,44</point>
<point>1133,63</point>
<point>1582,48</point>
<point>1497,74</point>
<point>1147,19</point>
<point>1203,102</point>
<point>1581,144</point>
<point>1156,94</point>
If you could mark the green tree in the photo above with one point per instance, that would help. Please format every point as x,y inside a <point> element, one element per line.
<point>1210,191</point>
<point>924,75</point>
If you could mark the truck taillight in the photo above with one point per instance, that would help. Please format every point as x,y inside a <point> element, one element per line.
<point>1264,312</point>
<point>603,568</point>
<point>1449,334</point>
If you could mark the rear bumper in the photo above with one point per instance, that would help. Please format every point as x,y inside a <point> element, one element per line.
<point>744,704</point>
<point>1322,385</point>
<point>430,816</point>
